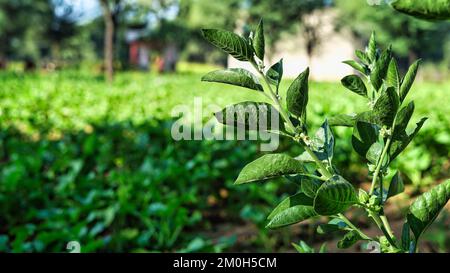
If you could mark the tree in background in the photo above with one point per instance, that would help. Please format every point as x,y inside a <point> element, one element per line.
<point>62,25</point>
<point>21,27</point>
<point>288,16</point>
<point>196,14</point>
<point>111,10</point>
<point>33,29</point>
<point>410,37</point>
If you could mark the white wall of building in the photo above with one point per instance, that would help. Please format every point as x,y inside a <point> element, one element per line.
<point>326,62</point>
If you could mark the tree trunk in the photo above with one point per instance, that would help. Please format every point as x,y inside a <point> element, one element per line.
<point>109,41</point>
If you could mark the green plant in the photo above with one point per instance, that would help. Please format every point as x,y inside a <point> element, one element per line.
<point>380,134</point>
<point>426,9</point>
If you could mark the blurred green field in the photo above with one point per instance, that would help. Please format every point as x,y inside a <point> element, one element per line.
<point>82,160</point>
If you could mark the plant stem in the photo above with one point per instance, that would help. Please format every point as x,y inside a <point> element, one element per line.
<point>347,221</point>
<point>379,163</point>
<point>319,163</point>
<point>291,126</point>
<point>387,225</point>
<point>275,100</point>
<point>380,223</point>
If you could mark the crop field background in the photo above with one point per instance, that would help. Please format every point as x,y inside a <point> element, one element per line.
<point>90,91</point>
<point>80,159</point>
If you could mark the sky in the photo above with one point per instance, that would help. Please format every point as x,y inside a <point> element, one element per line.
<point>89,8</point>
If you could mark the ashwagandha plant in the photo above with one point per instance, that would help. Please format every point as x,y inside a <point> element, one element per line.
<point>425,9</point>
<point>380,134</point>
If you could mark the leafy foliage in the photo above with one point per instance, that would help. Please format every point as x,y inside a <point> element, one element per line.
<point>379,135</point>
<point>355,84</point>
<point>234,76</point>
<point>334,196</point>
<point>297,96</point>
<point>427,9</point>
<point>230,43</point>
<point>427,207</point>
<point>269,166</point>
<point>292,210</point>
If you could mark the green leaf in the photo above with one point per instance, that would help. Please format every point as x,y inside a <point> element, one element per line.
<point>364,136</point>
<point>275,73</point>
<point>303,247</point>
<point>351,119</point>
<point>253,116</point>
<point>374,152</point>
<point>310,186</point>
<point>403,118</point>
<point>230,43</point>
<point>380,70</point>
<point>342,120</point>
<point>425,9</point>
<point>386,107</point>
<point>259,42</point>
<point>427,207</point>
<point>296,179</point>
<point>393,76</point>
<point>323,248</point>
<point>357,66</point>
<point>297,95</point>
<point>367,116</point>
<point>305,157</point>
<point>334,196</point>
<point>409,80</point>
<point>234,76</point>
<point>396,186</point>
<point>349,240</point>
<point>363,57</point>
<point>355,84</point>
<point>291,210</point>
<point>269,166</point>
<point>330,228</point>
<point>371,50</point>
<point>399,144</point>
<point>406,237</point>
<point>338,222</point>
<point>322,143</point>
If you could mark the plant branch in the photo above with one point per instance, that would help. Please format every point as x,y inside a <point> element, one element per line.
<point>319,163</point>
<point>350,224</point>
<point>274,98</point>
<point>291,126</point>
<point>379,163</point>
<point>380,223</point>
<point>386,224</point>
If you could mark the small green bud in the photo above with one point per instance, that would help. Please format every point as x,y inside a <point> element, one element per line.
<point>363,196</point>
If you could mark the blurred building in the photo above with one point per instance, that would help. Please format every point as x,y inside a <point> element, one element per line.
<point>142,44</point>
<point>327,56</point>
